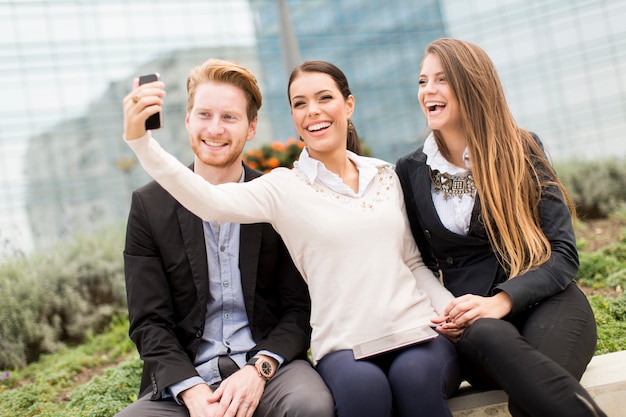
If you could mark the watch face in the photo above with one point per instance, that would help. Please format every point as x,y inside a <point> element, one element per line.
<point>266,369</point>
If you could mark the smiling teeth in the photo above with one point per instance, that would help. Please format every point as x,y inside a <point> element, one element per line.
<point>318,126</point>
<point>432,105</point>
<point>213,143</point>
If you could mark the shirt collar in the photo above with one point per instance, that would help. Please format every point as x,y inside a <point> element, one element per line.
<point>315,170</point>
<point>435,160</point>
<point>243,174</point>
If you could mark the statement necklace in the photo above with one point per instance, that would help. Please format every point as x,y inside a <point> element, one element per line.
<point>452,184</point>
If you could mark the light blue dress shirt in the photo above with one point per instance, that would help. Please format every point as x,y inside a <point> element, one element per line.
<point>227,330</point>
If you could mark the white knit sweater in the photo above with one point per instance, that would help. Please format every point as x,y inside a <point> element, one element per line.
<point>365,274</point>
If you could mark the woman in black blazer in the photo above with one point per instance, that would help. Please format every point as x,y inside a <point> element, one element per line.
<point>489,213</point>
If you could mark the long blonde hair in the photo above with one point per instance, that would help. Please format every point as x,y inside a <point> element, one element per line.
<point>509,167</point>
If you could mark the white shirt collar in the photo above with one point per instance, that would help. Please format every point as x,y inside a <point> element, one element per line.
<point>455,213</point>
<point>435,160</point>
<point>315,170</point>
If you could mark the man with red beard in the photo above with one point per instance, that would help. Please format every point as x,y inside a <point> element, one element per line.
<point>218,312</point>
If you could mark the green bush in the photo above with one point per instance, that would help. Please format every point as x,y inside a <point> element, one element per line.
<point>598,188</point>
<point>42,388</point>
<point>105,395</point>
<point>616,250</point>
<point>57,298</point>
<point>606,267</point>
<point>598,270</point>
<point>610,317</point>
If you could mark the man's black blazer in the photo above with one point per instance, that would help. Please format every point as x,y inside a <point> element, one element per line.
<point>166,270</point>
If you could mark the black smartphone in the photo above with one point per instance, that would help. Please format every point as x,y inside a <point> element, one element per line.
<point>154,121</point>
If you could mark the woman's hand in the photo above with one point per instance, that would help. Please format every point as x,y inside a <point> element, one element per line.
<point>142,102</point>
<point>447,328</point>
<point>465,310</point>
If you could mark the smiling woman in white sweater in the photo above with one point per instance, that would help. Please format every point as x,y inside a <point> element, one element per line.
<point>343,221</point>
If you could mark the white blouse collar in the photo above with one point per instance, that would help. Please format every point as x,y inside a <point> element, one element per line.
<point>315,170</point>
<point>435,160</point>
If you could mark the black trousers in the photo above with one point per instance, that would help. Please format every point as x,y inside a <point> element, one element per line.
<point>536,357</point>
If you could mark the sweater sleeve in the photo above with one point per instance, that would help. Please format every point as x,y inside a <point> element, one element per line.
<point>439,296</point>
<point>249,202</point>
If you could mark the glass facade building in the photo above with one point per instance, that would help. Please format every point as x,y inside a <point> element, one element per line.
<point>563,66</point>
<point>66,65</point>
<point>64,68</point>
<point>378,45</point>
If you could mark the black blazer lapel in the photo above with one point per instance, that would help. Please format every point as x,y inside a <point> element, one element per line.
<point>249,251</point>
<point>421,190</point>
<point>192,231</point>
<point>193,237</point>
<point>250,237</point>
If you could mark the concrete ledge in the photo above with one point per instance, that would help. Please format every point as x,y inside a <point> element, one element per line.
<point>604,379</point>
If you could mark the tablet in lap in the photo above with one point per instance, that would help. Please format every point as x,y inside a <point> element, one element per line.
<point>394,341</point>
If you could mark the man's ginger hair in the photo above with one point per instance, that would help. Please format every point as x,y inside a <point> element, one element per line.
<point>221,71</point>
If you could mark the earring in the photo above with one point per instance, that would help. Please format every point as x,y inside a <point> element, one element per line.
<point>350,126</point>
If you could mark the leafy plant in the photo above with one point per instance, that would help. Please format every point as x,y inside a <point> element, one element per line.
<point>279,154</point>
<point>107,394</point>
<point>42,387</point>
<point>598,270</point>
<point>598,188</point>
<point>55,299</point>
<point>610,317</point>
<point>273,155</point>
<point>616,250</point>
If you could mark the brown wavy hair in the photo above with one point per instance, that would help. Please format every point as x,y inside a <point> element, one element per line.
<point>509,166</point>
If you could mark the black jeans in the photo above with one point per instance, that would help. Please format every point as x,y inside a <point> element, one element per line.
<point>537,357</point>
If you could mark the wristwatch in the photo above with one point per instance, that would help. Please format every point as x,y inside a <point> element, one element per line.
<point>263,366</point>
